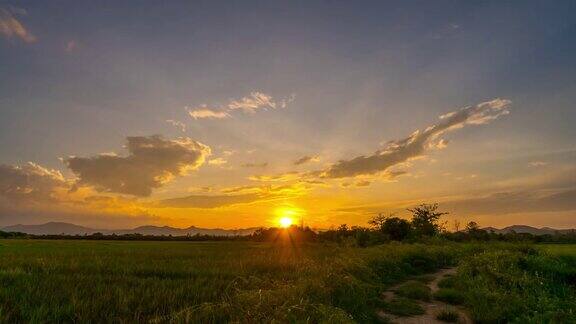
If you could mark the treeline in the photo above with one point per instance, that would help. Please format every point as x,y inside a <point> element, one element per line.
<point>424,224</point>
<point>123,237</point>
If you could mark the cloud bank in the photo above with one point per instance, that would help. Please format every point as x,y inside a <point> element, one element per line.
<point>151,162</point>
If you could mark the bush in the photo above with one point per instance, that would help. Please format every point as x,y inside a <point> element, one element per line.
<point>450,296</point>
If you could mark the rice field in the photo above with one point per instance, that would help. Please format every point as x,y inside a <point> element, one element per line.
<point>215,282</point>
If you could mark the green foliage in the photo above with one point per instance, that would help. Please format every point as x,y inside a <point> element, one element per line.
<point>404,307</point>
<point>208,282</point>
<point>448,315</point>
<point>247,282</point>
<point>425,219</point>
<point>519,285</point>
<point>424,278</point>
<point>414,290</point>
<point>447,282</point>
<point>450,296</point>
<point>394,228</point>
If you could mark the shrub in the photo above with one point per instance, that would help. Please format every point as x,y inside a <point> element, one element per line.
<point>449,295</point>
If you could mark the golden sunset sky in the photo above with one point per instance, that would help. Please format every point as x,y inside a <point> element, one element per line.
<point>235,114</point>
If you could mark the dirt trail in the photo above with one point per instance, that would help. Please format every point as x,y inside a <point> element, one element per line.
<point>431,308</point>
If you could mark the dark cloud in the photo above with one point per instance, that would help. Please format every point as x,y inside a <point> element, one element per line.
<point>419,142</point>
<point>151,162</point>
<point>306,159</point>
<point>30,182</point>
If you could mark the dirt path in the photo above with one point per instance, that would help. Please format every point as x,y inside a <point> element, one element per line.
<point>431,308</point>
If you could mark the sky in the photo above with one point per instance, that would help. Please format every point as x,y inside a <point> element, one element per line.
<point>232,114</point>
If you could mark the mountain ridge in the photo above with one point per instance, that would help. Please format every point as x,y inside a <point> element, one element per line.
<point>57,228</point>
<point>527,229</point>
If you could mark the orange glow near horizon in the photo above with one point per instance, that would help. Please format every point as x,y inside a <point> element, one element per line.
<point>285,222</point>
<point>287,216</point>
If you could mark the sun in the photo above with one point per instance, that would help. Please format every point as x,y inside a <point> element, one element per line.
<point>285,222</point>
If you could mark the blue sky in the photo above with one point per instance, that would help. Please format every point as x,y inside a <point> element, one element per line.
<point>353,76</point>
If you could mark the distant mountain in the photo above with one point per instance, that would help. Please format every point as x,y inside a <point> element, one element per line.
<point>52,228</point>
<point>57,228</point>
<point>527,229</point>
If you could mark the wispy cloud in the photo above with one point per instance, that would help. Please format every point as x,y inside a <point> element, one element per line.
<point>217,161</point>
<point>203,112</point>
<point>287,176</point>
<point>255,101</point>
<point>537,163</point>
<point>177,123</point>
<point>152,161</point>
<point>255,165</point>
<point>237,195</point>
<point>417,144</point>
<point>306,159</point>
<point>12,27</point>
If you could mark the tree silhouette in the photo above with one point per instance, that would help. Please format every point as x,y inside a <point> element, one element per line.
<point>425,218</point>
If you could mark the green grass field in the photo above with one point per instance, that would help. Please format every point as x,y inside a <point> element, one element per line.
<point>103,281</point>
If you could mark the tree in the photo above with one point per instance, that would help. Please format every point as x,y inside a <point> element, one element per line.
<point>425,219</point>
<point>472,227</point>
<point>395,228</point>
<point>475,232</point>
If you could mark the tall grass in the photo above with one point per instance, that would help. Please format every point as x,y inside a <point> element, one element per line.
<point>521,285</point>
<point>81,281</point>
<point>214,282</point>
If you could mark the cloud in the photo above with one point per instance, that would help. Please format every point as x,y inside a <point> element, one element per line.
<point>242,195</point>
<point>177,124</point>
<point>151,162</point>
<point>12,27</point>
<point>255,101</point>
<point>537,163</point>
<point>30,182</point>
<point>306,159</point>
<point>209,201</point>
<point>287,176</point>
<point>255,165</point>
<point>203,112</point>
<point>249,104</point>
<point>417,144</point>
<point>217,161</point>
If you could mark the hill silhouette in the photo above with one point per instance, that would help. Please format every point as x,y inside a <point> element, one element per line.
<point>57,228</point>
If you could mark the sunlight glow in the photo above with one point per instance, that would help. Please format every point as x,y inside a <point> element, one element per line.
<point>285,222</point>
